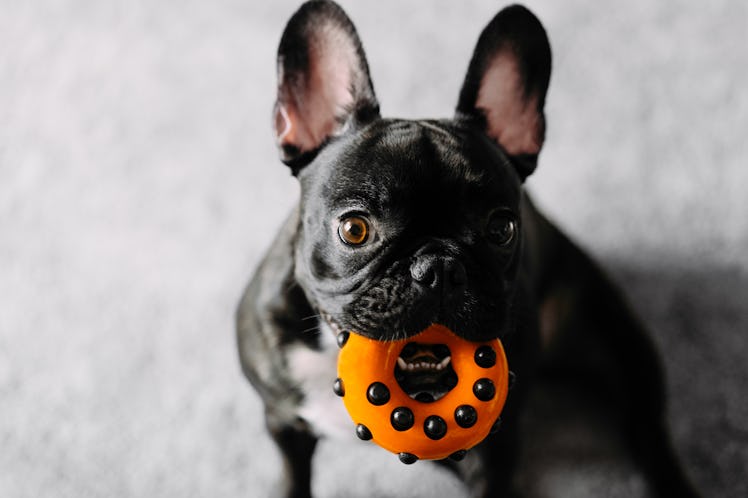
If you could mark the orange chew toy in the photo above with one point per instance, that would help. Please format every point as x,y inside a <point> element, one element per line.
<point>447,427</point>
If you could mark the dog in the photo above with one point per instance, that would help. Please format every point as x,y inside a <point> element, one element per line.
<point>405,223</point>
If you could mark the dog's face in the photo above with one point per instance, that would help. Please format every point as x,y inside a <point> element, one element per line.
<point>408,223</point>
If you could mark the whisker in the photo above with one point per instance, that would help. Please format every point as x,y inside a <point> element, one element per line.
<point>316,328</point>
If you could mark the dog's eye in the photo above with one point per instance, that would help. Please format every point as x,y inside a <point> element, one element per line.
<point>353,230</point>
<point>501,229</point>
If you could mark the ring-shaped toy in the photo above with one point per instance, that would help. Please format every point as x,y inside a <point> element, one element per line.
<point>385,413</point>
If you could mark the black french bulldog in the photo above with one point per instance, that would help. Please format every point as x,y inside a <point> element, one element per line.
<point>405,223</point>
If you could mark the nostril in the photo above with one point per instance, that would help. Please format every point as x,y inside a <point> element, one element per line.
<point>455,272</point>
<point>423,270</point>
<point>435,272</point>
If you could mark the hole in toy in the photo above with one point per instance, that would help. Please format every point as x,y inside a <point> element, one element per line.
<point>424,371</point>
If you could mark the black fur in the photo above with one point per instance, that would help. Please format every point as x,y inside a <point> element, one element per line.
<point>429,189</point>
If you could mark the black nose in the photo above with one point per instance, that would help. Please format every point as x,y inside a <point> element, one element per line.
<point>439,274</point>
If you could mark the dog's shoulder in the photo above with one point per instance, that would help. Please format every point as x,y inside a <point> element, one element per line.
<point>274,314</point>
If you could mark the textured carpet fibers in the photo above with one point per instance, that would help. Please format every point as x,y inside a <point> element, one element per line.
<point>139,186</point>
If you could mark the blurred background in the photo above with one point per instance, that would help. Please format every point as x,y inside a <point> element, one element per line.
<point>139,186</point>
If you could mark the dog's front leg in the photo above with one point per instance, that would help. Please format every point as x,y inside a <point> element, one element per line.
<point>271,317</point>
<point>296,443</point>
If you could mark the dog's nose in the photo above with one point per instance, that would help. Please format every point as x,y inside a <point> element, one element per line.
<point>439,274</point>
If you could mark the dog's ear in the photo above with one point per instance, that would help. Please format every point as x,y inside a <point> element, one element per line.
<point>506,83</point>
<point>323,82</point>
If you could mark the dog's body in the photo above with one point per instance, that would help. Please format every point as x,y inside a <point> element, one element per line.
<point>406,223</point>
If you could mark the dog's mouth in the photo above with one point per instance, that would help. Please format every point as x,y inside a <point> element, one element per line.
<point>424,371</point>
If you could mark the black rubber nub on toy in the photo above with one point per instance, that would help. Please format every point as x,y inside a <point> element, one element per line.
<point>435,427</point>
<point>338,388</point>
<point>512,379</point>
<point>485,357</point>
<point>402,418</point>
<point>484,389</point>
<point>407,458</point>
<point>466,416</point>
<point>363,432</point>
<point>378,394</point>
<point>342,338</point>
<point>496,426</point>
<point>458,455</point>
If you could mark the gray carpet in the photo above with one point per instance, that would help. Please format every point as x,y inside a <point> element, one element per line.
<point>139,186</point>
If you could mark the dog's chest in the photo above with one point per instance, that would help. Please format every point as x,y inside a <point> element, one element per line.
<point>314,373</point>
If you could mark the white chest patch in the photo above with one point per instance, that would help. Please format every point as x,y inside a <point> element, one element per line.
<point>315,372</point>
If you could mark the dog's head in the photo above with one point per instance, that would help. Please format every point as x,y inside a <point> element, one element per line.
<point>407,223</point>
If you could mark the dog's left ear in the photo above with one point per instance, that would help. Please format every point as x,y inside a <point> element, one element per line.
<point>323,82</point>
<point>506,83</point>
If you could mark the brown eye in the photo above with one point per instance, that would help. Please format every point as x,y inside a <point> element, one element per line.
<point>501,229</point>
<point>353,230</point>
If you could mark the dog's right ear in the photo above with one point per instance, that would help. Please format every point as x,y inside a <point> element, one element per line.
<point>323,82</point>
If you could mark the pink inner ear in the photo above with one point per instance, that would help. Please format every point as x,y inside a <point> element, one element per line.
<point>309,114</point>
<point>513,120</point>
